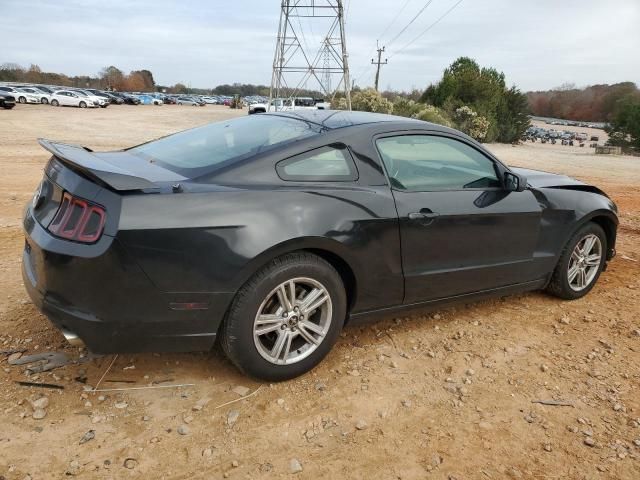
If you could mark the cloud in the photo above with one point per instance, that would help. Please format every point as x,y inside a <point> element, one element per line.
<point>539,44</point>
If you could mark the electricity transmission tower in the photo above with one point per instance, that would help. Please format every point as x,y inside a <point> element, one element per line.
<point>297,65</point>
<point>326,62</point>
<point>379,63</point>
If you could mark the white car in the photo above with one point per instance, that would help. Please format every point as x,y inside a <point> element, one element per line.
<point>20,95</point>
<point>288,104</point>
<point>42,95</point>
<point>97,101</point>
<point>68,98</point>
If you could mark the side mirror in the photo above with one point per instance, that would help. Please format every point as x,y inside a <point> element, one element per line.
<point>514,182</point>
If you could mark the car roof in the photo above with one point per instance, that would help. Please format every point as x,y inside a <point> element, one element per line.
<point>332,119</point>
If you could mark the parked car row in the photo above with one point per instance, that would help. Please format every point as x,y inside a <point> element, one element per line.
<point>570,123</point>
<point>551,135</point>
<point>58,96</point>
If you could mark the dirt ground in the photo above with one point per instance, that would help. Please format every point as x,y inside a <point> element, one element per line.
<point>448,395</point>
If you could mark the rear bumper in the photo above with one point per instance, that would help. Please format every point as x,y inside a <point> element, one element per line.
<point>108,302</point>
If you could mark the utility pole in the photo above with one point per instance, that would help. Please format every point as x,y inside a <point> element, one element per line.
<point>295,63</point>
<point>379,63</point>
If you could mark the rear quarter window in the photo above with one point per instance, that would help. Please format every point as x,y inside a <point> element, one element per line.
<point>326,164</point>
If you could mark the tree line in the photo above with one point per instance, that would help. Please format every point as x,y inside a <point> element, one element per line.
<point>109,78</point>
<point>112,78</point>
<point>469,97</point>
<point>595,103</point>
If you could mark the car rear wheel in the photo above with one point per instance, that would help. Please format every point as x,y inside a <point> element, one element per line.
<point>22,100</point>
<point>44,101</point>
<point>286,318</point>
<point>55,103</point>
<point>580,264</point>
<point>82,105</point>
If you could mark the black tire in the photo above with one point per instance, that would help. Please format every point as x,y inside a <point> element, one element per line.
<point>82,104</point>
<point>236,332</point>
<point>559,284</point>
<point>44,101</point>
<point>22,100</point>
<point>55,103</point>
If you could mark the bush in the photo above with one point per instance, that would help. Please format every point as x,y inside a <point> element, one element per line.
<point>407,108</point>
<point>432,114</point>
<point>471,123</point>
<point>368,100</point>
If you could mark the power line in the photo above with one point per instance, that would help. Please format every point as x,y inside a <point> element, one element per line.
<point>426,29</point>
<point>410,22</point>
<point>394,19</point>
<point>367,67</point>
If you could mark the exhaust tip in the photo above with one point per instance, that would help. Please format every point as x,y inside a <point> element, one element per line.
<point>72,338</point>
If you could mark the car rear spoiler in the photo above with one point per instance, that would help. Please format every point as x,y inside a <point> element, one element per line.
<point>83,160</point>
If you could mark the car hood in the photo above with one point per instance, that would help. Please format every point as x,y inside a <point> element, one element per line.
<point>539,179</point>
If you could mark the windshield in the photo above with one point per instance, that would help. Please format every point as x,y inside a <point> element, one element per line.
<point>203,149</point>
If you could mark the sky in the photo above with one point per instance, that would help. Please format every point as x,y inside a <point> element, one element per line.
<point>538,44</point>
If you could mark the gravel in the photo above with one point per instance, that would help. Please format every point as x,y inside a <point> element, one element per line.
<point>232,417</point>
<point>361,425</point>
<point>295,466</point>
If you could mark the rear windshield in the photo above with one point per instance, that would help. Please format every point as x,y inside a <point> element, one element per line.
<point>200,150</point>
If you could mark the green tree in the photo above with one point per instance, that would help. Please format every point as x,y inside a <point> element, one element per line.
<point>512,116</point>
<point>624,130</point>
<point>502,113</point>
<point>11,72</point>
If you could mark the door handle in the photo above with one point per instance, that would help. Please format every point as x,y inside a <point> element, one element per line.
<point>423,215</point>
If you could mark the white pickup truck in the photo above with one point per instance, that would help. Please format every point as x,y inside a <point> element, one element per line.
<point>289,104</point>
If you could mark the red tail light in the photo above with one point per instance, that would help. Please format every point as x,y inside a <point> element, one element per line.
<point>78,220</point>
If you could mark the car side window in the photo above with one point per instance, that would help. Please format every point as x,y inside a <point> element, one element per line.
<point>325,164</point>
<point>425,163</point>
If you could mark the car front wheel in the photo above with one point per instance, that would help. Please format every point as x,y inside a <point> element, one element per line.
<point>55,103</point>
<point>580,264</point>
<point>286,318</point>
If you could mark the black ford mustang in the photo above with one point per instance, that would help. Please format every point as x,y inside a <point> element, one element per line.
<point>273,231</point>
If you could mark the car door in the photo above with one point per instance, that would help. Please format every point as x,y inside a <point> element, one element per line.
<point>461,230</point>
<point>65,98</point>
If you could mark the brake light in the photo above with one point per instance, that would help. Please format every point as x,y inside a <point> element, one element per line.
<point>78,220</point>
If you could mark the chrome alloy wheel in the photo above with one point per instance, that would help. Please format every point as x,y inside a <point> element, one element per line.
<point>584,262</point>
<point>292,321</point>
